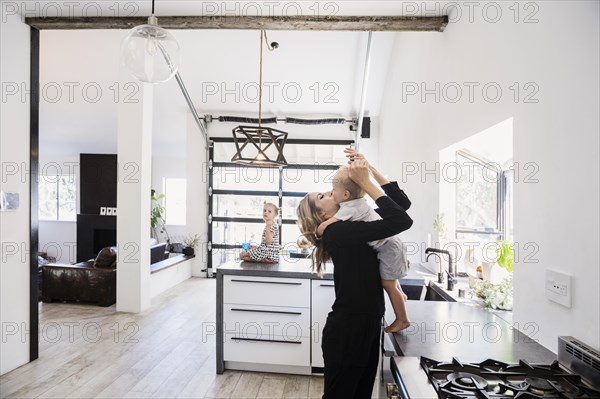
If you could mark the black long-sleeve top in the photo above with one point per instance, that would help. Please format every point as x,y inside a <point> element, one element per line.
<point>356,267</point>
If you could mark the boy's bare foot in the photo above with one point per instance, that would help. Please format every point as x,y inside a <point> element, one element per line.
<point>405,297</point>
<point>397,325</point>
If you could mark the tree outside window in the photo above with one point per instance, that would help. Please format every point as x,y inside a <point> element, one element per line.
<point>57,197</point>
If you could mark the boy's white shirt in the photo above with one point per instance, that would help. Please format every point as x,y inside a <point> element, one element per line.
<point>356,209</point>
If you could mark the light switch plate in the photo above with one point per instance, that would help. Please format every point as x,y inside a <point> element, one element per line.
<point>558,287</point>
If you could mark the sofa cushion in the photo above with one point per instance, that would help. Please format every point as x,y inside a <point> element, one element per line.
<point>106,258</point>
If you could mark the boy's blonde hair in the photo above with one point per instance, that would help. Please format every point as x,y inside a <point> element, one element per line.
<point>342,176</point>
<point>275,207</point>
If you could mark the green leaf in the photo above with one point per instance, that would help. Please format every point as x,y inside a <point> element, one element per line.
<point>505,254</point>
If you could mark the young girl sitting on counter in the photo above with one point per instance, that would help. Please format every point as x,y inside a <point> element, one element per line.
<point>268,250</point>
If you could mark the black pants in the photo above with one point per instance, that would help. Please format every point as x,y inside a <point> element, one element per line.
<point>351,346</point>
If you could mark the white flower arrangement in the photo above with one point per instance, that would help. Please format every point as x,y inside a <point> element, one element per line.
<point>495,296</point>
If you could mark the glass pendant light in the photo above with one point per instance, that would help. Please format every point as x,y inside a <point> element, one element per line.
<point>150,52</point>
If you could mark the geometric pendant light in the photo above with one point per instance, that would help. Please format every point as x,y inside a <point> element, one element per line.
<point>259,145</point>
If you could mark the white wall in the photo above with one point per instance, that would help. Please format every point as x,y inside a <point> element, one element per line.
<point>14,226</point>
<point>558,134</point>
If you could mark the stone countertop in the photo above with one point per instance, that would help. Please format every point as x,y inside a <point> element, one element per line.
<point>442,330</point>
<point>286,267</point>
<point>301,268</point>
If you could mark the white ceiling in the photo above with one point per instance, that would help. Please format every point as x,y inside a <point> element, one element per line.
<point>222,60</point>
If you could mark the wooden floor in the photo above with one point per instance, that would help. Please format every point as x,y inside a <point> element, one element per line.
<point>168,351</point>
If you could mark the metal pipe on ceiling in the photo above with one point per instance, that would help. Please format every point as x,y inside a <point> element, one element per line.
<point>363,96</point>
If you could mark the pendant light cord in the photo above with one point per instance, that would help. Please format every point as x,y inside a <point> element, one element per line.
<point>152,7</point>
<point>271,48</point>
<point>260,82</point>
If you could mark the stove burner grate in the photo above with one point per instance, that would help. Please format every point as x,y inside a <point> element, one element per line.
<point>493,379</point>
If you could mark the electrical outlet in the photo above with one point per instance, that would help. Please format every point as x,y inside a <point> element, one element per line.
<point>558,287</point>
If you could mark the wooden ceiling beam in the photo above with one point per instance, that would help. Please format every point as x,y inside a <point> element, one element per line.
<point>332,23</point>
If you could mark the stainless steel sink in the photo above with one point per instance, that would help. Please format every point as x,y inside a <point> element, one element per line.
<point>434,293</point>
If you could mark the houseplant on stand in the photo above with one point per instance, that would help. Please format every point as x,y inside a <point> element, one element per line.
<point>190,243</point>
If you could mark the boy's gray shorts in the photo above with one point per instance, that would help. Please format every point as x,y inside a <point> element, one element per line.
<point>392,259</point>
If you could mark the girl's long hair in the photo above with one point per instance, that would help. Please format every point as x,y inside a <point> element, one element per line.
<point>308,222</point>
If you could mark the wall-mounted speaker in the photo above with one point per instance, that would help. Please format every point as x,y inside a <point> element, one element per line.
<point>366,127</point>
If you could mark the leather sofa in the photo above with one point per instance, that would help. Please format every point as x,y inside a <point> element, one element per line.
<point>92,281</point>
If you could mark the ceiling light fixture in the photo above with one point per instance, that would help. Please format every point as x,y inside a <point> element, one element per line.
<point>150,52</point>
<point>264,139</point>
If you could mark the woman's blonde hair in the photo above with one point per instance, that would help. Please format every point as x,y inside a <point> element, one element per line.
<point>275,207</point>
<point>308,222</point>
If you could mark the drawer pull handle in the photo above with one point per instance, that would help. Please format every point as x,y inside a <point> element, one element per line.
<point>265,282</point>
<point>327,285</point>
<point>265,311</point>
<point>266,340</point>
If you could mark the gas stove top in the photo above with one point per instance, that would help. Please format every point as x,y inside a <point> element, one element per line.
<point>494,379</point>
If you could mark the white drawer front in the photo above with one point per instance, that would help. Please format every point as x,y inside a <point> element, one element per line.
<point>323,296</point>
<point>292,353</point>
<point>253,321</point>
<point>266,291</point>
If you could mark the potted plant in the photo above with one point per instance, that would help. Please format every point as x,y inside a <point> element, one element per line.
<point>157,217</point>
<point>502,267</point>
<point>190,243</point>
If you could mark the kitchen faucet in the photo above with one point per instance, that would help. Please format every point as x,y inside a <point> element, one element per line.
<point>451,266</point>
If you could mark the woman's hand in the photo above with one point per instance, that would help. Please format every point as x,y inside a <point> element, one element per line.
<point>359,173</point>
<point>353,155</point>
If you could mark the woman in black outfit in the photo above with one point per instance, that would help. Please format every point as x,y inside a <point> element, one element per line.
<point>352,332</point>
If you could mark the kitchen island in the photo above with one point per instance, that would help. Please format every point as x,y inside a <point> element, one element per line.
<point>265,318</point>
<point>270,316</point>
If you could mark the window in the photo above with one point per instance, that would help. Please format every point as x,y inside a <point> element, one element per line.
<point>175,199</point>
<point>57,197</point>
<point>483,199</point>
